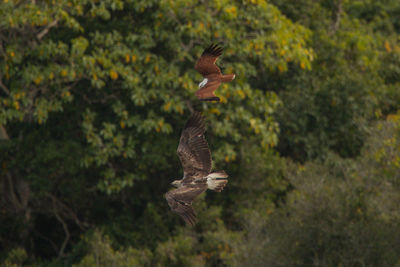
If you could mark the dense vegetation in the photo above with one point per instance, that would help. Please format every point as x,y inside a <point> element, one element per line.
<point>93,97</point>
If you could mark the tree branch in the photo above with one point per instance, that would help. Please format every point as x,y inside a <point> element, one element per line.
<point>41,34</point>
<point>189,105</point>
<point>3,133</point>
<point>68,211</point>
<point>12,197</point>
<point>47,239</point>
<point>5,89</point>
<point>339,10</point>
<point>66,230</point>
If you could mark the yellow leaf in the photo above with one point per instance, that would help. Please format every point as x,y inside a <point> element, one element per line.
<point>156,69</point>
<point>179,109</point>
<point>241,93</point>
<point>51,76</point>
<point>127,58</point>
<point>122,124</point>
<point>12,54</point>
<point>147,59</point>
<point>215,111</point>
<point>38,80</point>
<point>63,73</point>
<point>133,58</point>
<point>392,117</point>
<point>16,105</point>
<point>223,99</point>
<point>231,10</point>
<point>302,65</point>
<point>167,106</point>
<point>388,47</point>
<point>113,75</point>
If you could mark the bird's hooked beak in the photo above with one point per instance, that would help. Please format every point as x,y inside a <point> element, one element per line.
<point>175,183</point>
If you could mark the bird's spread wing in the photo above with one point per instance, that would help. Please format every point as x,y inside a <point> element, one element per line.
<point>193,149</point>
<point>206,63</point>
<point>180,201</point>
<point>207,92</point>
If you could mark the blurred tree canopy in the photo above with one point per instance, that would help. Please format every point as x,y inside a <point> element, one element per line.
<point>93,97</point>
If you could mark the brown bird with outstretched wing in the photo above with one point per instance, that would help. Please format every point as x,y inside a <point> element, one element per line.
<point>211,73</point>
<point>195,157</point>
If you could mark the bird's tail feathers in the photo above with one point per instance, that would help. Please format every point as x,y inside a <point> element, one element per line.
<point>228,78</point>
<point>217,180</point>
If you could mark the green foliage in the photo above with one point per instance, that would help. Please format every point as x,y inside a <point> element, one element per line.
<point>132,89</point>
<point>93,97</point>
<point>101,253</point>
<point>337,100</point>
<point>382,14</point>
<point>341,213</point>
<point>210,245</point>
<point>15,257</point>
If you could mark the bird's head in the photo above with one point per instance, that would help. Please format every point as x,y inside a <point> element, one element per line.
<point>176,183</point>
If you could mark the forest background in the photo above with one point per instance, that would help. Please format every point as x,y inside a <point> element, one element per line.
<point>93,98</point>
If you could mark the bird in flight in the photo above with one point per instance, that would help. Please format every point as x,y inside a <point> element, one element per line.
<point>211,73</point>
<point>195,157</point>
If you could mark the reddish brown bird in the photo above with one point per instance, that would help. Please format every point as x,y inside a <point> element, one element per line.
<point>211,73</point>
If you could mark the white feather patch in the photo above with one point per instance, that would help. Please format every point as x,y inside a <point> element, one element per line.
<point>203,83</point>
<point>217,180</point>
